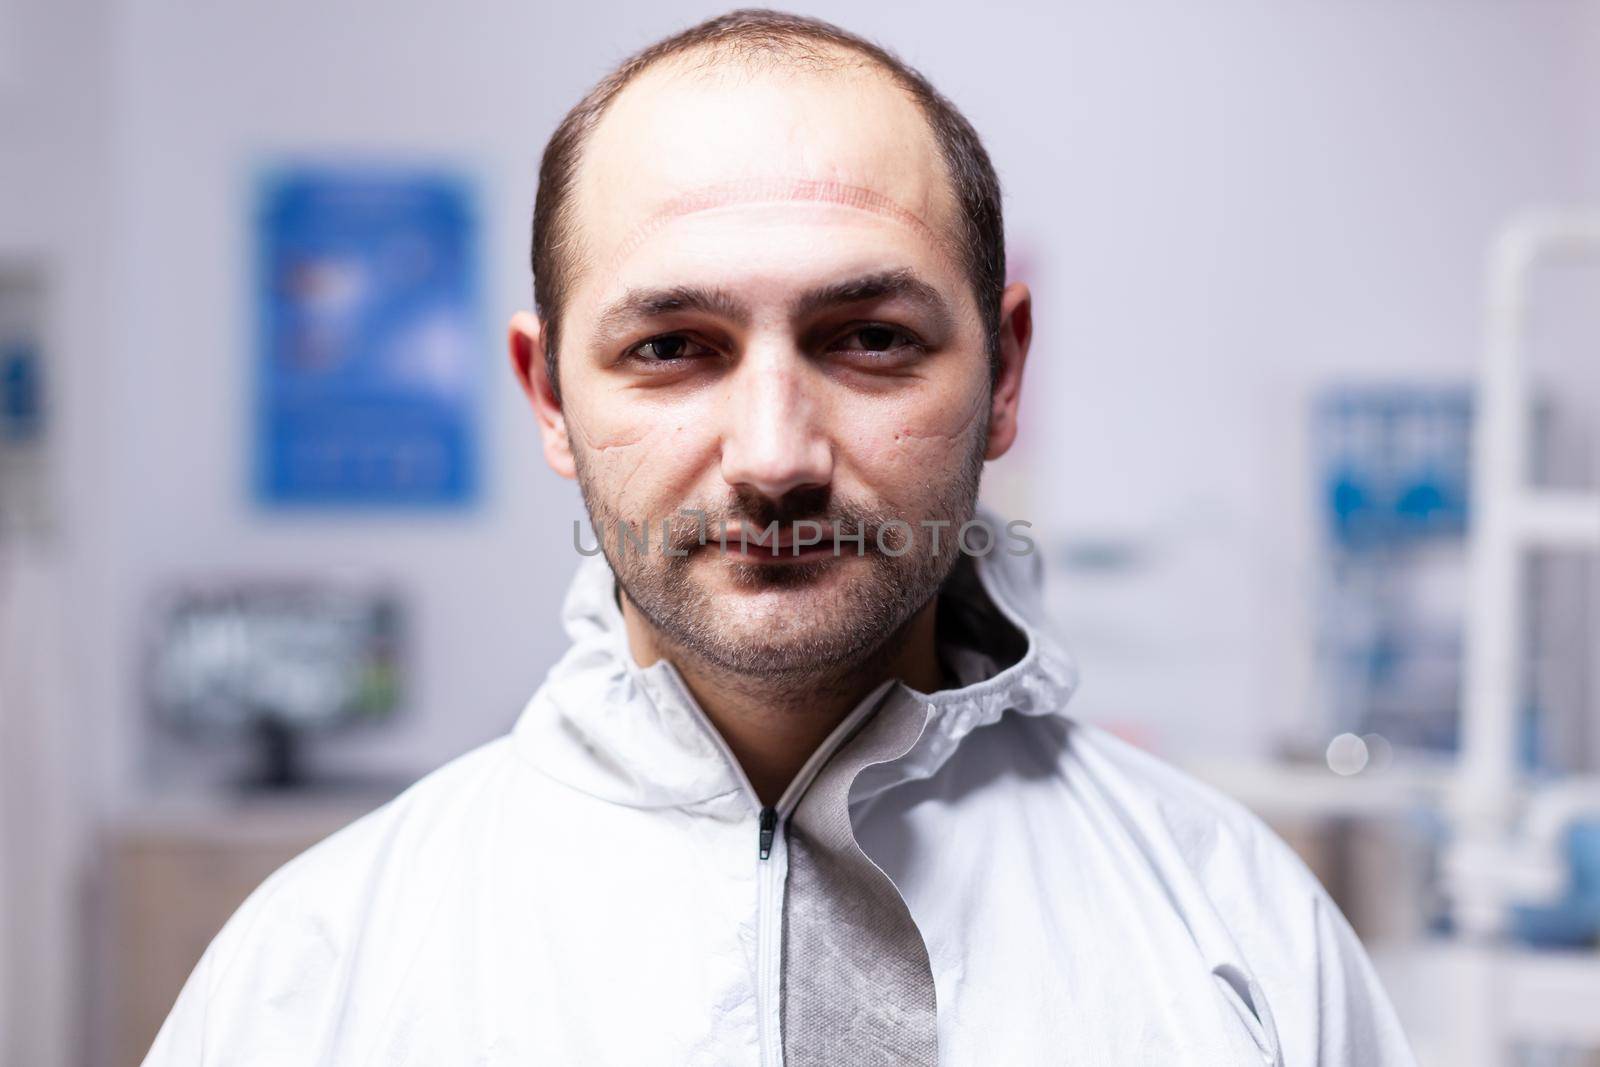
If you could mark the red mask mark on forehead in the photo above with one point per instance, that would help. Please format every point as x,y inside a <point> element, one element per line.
<point>776,190</point>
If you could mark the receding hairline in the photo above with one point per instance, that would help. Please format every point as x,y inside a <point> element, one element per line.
<point>730,57</point>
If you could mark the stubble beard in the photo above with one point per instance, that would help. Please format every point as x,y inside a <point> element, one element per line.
<point>815,646</point>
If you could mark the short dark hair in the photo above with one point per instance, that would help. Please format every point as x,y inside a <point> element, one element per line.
<point>752,36</point>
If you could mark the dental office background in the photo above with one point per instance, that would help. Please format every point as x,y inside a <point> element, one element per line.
<point>276,537</point>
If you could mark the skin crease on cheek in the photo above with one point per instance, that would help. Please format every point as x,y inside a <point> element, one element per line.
<point>957,425</point>
<point>622,461</point>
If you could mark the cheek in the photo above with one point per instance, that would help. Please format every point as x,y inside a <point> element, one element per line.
<point>909,447</point>
<point>641,457</point>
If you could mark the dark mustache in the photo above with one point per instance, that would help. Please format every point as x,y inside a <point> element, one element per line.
<point>755,513</point>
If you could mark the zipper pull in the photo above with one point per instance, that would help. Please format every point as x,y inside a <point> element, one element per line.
<point>769,825</point>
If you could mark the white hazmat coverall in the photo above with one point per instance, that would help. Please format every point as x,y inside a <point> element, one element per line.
<point>963,877</point>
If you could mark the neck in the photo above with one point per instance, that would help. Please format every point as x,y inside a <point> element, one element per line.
<point>774,725</point>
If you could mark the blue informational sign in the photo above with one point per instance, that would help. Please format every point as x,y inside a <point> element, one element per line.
<point>1395,464</point>
<point>370,352</point>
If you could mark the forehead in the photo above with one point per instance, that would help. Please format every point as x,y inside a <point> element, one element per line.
<point>682,139</point>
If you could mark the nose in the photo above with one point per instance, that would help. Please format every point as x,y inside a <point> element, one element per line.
<point>773,440</point>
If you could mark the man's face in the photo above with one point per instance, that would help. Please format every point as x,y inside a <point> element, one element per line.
<point>770,321</point>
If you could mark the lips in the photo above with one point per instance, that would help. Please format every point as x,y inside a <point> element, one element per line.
<point>783,539</point>
<point>783,545</point>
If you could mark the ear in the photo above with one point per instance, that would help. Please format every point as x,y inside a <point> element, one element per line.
<point>1016,333</point>
<point>528,360</point>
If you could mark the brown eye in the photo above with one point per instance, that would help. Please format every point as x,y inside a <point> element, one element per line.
<point>879,343</point>
<point>877,338</point>
<point>664,348</point>
<point>668,349</point>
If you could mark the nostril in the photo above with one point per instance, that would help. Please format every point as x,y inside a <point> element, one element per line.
<point>803,502</point>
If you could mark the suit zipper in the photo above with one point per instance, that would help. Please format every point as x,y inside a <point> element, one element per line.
<point>772,859</point>
<point>767,826</point>
<point>769,946</point>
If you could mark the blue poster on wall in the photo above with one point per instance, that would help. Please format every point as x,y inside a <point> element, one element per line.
<point>370,351</point>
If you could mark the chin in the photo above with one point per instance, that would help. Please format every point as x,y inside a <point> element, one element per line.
<point>787,580</point>
<point>759,655</point>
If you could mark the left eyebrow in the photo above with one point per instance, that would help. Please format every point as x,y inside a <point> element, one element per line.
<point>900,284</point>
<point>642,305</point>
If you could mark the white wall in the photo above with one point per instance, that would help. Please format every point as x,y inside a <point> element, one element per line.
<point>53,162</point>
<point>1221,206</point>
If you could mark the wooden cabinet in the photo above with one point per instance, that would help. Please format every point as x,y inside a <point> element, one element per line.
<point>169,879</point>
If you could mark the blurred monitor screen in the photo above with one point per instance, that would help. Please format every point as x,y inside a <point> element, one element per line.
<point>303,657</point>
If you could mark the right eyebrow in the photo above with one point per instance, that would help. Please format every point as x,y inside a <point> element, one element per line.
<point>902,284</point>
<point>642,305</point>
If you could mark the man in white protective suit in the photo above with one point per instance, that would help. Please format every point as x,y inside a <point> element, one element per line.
<point>804,790</point>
